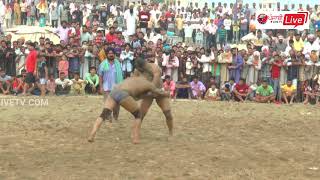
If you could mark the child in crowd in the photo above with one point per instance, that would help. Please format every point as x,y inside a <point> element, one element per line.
<point>78,85</point>
<point>18,83</point>
<point>64,65</point>
<point>212,93</point>
<point>199,38</point>
<point>51,85</point>
<point>170,86</point>
<point>42,74</point>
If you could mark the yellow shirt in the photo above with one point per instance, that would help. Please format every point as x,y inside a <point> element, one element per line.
<point>288,90</point>
<point>179,23</point>
<point>298,45</point>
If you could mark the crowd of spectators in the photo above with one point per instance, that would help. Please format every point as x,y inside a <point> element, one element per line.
<point>204,52</point>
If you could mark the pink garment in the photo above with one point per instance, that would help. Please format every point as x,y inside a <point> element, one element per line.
<point>63,67</point>
<point>171,86</point>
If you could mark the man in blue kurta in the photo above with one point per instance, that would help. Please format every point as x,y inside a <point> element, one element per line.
<point>110,74</point>
<point>236,66</point>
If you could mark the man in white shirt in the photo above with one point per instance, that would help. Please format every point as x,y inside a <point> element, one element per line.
<point>130,17</point>
<point>311,45</point>
<point>188,30</point>
<point>227,24</point>
<point>212,30</point>
<point>63,85</point>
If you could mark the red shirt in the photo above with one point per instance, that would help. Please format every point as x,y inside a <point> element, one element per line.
<point>31,61</point>
<point>242,88</point>
<point>111,37</point>
<point>144,16</point>
<point>275,71</point>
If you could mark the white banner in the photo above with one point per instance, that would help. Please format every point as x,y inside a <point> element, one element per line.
<point>283,20</point>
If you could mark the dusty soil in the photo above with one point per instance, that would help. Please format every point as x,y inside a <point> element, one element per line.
<point>212,141</point>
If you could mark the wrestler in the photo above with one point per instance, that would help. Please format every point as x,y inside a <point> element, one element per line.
<point>152,72</point>
<point>125,94</point>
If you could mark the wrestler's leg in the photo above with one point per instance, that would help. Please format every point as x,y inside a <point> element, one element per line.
<point>132,106</point>
<point>116,109</point>
<point>164,104</point>
<point>144,106</point>
<point>106,113</point>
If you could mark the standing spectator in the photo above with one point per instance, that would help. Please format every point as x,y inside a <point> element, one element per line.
<point>54,17</point>
<point>236,65</point>
<point>126,59</point>
<point>32,14</point>
<point>227,24</point>
<point>8,16</point>
<point>130,16</point>
<point>264,93</point>
<point>255,65</point>
<point>275,75</point>
<point>17,12</point>
<point>172,65</point>
<point>243,26</point>
<point>42,75</point>
<point>23,6</point>
<point>188,33</point>
<point>222,32</point>
<point>205,60</point>
<point>110,73</point>
<point>180,25</point>
<point>111,36</point>
<point>63,31</point>
<point>63,65</point>
<point>198,88</point>
<point>74,61</point>
<point>236,30</point>
<point>31,64</point>
<point>144,18</point>
<point>42,7</point>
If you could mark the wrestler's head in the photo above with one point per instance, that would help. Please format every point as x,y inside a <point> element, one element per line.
<point>140,64</point>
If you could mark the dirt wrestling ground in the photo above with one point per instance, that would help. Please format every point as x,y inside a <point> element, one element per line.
<point>211,141</point>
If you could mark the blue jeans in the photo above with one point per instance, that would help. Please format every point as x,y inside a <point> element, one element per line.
<point>276,88</point>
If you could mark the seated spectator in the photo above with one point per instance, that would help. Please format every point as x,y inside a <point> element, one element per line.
<point>169,86</point>
<point>183,89</point>
<point>92,81</point>
<point>212,93</point>
<point>264,93</point>
<point>288,92</point>
<point>5,82</point>
<point>78,85</point>
<point>63,85</point>
<point>51,85</point>
<point>198,88</point>
<point>18,83</point>
<point>241,91</point>
<point>312,94</point>
<point>227,89</point>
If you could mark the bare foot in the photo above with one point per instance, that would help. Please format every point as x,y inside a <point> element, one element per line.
<point>91,139</point>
